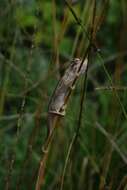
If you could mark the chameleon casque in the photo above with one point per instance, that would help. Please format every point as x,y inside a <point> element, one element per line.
<point>66,84</point>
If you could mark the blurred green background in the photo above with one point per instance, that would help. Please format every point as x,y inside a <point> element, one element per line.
<point>37,39</point>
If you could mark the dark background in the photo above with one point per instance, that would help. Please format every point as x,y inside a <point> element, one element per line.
<point>37,39</point>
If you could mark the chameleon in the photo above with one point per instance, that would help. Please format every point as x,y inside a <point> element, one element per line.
<point>57,108</point>
<point>59,99</point>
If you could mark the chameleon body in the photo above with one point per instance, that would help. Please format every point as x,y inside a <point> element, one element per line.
<point>58,103</point>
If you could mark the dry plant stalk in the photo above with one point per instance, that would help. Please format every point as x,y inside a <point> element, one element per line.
<point>57,107</point>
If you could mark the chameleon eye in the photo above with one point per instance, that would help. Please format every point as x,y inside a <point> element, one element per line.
<point>74,66</point>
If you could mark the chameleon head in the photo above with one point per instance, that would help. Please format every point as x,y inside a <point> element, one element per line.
<point>76,62</point>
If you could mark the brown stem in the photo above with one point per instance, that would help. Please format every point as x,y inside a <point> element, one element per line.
<point>41,173</point>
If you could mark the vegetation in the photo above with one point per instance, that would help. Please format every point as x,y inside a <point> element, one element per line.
<point>37,39</point>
